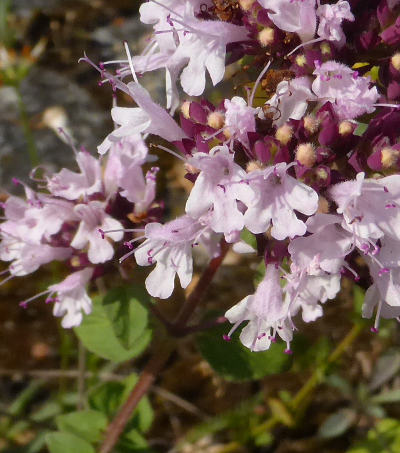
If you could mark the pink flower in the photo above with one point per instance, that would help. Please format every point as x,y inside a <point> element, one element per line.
<point>124,171</point>
<point>348,92</point>
<point>218,187</point>
<point>266,312</point>
<point>305,292</point>
<point>27,257</point>
<point>325,249</point>
<point>369,207</point>
<point>239,119</point>
<point>330,20</point>
<point>296,16</point>
<point>92,219</point>
<point>71,185</point>
<point>170,246</point>
<point>149,118</point>
<point>71,298</point>
<point>291,100</point>
<point>275,197</point>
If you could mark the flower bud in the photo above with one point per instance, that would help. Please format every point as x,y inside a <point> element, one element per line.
<point>346,128</point>
<point>216,120</point>
<point>266,36</point>
<point>301,60</point>
<point>325,48</point>
<point>185,108</point>
<point>389,157</point>
<point>254,165</point>
<point>246,4</point>
<point>306,155</point>
<point>395,60</point>
<point>284,134</point>
<point>311,124</point>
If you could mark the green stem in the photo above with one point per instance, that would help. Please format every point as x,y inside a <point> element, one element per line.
<point>301,398</point>
<point>30,141</point>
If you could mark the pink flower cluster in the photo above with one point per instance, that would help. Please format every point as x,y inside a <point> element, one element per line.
<point>292,169</point>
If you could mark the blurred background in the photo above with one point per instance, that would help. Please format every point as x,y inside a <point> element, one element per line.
<point>338,393</point>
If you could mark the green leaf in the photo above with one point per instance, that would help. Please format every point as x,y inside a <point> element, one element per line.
<point>128,316</point>
<point>86,424</point>
<point>360,129</point>
<point>132,442</point>
<point>110,396</point>
<point>386,367</point>
<point>280,411</point>
<point>117,327</point>
<point>248,238</point>
<point>391,396</point>
<point>67,443</point>
<point>235,362</point>
<point>384,438</point>
<point>337,424</point>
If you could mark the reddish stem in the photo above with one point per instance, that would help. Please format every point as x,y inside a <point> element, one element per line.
<point>149,374</point>
<point>161,356</point>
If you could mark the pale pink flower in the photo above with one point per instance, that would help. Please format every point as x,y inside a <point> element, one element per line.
<point>330,19</point>
<point>218,187</point>
<point>275,197</point>
<point>148,118</point>
<point>71,298</point>
<point>296,16</point>
<point>239,119</point>
<point>92,219</point>
<point>349,93</point>
<point>266,312</point>
<point>71,185</point>
<point>290,100</point>
<point>170,247</point>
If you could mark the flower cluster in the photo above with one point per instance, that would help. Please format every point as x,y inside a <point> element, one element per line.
<point>307,160</point>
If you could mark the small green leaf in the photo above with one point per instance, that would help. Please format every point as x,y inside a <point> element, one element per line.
<point>117,327</point>
<point>67,443</point>
<point>87,424</point>
<point>248,238</point>
<point>235,362</point>
<point>337,424</point>
<point>360,129</point>
<point>391,396</point>
<point>386,367</point>
<point>132,442</point>
<point>280,411</point>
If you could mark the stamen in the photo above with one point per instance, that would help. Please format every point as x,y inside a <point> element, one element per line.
<point>257,82</point>
<point>24,303</point>
<point>130,62</point>
<point>312,41</point>
<point>173,153</point>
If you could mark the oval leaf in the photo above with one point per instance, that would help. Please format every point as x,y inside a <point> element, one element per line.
<point>67,443</point>
<point>117,327</point>
<point>337,424</point>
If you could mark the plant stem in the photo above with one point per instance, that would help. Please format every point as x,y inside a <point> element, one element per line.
<point>30,141</point>
<point>148,376</point>
<point>161,354</point>
<point>300,399</point>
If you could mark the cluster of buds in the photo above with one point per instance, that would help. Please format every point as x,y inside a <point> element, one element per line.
<point>293,162</point>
